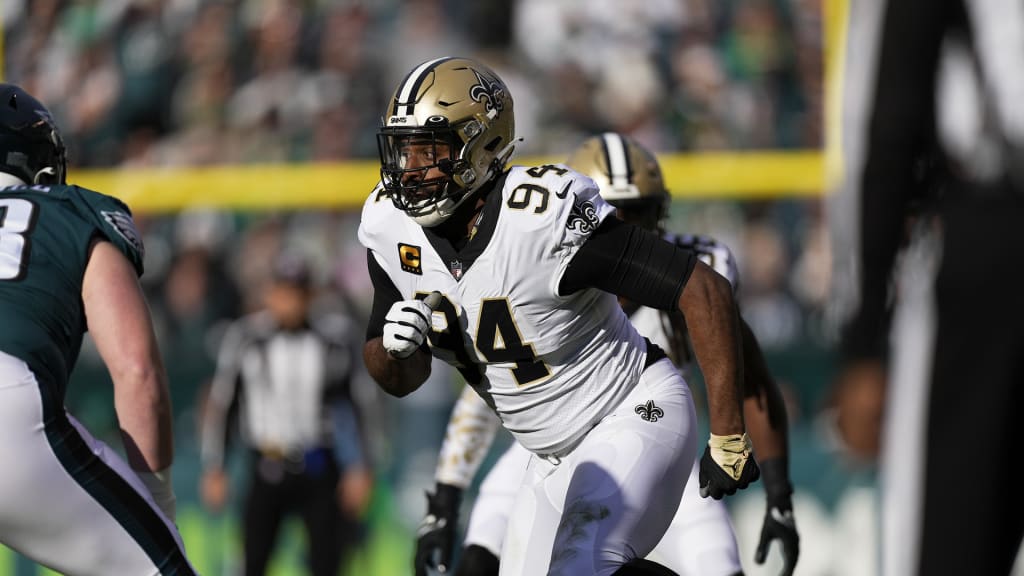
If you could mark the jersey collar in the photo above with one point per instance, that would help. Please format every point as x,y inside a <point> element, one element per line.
<point>459,261</point>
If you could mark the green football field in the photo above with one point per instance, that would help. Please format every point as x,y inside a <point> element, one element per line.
<point>213,544</point>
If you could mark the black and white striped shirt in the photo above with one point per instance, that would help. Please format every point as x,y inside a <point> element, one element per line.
<point>289,385</point>
<point>932,104</point>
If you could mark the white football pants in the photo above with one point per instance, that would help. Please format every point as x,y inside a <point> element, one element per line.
<point>67,500</point>
<point>700,541</point>
<point>612,498</point>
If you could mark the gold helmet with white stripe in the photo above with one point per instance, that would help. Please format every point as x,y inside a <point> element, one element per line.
<point>627,174</point>
<point>460,112</point>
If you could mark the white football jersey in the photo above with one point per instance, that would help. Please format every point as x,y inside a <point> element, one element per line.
<point>551,366</point>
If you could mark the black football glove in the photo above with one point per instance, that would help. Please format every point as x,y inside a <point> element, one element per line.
<point>779,523</point>
<point>435,539</point>
<point>727,466</point>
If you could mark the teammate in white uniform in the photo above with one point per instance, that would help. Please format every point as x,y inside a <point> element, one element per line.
<point>526,263</point>
<point>69,262</point>
<point>700,540</point>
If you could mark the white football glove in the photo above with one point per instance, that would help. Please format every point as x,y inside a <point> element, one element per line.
<point>406,325</point>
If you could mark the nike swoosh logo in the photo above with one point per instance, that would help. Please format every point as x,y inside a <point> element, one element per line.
<point>565,191</point>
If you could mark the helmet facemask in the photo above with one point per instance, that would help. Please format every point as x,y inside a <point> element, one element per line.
<point>416,165</point>
<point>455,116</point>
<point>409,154</point>
<point>34,153</point>
<point>31,148</point>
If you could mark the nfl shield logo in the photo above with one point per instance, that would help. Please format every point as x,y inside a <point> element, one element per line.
<point>455,267</point>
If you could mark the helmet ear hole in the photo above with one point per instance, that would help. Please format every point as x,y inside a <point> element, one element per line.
<point>493,144</point>
<point>446,166</point>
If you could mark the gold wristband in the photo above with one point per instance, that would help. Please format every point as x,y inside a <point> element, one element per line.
<point>731,453</point>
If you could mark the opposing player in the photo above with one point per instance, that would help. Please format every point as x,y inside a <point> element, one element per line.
<point>700,540</point>
<point>526,263</point>
<point>69,261</point>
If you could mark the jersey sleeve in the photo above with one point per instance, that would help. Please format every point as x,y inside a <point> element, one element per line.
<point>582,216</point>
<point>471,431</point>
<point>385,294</point>
<point>223,394</point>
<point>113,222</point>
<point>373,217</point>
<point>579,211</point>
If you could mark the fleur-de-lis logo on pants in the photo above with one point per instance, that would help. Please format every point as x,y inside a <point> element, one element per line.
<point>649,411</point>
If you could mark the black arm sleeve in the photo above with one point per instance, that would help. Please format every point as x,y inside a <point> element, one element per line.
<point>385,293</point>
<point>631,262</point>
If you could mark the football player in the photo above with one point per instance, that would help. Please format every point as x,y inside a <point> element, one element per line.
<point>69,262</point>
<point>511,275</point>
<point>700,540</point>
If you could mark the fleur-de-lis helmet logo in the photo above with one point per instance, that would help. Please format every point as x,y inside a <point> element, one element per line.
<point>488,91</point>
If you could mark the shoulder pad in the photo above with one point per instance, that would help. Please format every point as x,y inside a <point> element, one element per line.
<point>113,219</point>
<point>712,252</point>
<point>377,210</point>
<point>570,200</point>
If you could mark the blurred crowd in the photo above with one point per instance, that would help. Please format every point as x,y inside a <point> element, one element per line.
<point>198,82</point>
<point>188,82</point>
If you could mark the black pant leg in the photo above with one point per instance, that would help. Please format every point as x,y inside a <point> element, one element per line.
<point>973,514</point>
<point>264,511</point>
<point>322,519</point>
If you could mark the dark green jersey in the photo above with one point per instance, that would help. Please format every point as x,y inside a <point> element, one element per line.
<point>45,235</point>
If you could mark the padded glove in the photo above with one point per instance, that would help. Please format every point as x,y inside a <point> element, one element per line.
<point>407,323</point>
<point>779,523</point>
<point>727,466</point>
<point>435,539</point>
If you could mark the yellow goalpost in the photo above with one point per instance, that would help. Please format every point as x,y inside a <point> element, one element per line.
<point>734,175</point>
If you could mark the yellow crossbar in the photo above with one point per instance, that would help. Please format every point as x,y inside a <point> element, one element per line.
<point>346,185</point>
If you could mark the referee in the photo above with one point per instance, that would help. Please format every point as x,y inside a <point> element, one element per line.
<point>288,375</point>
<point>933,147</point>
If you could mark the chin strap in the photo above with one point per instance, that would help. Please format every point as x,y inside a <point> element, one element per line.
<point>448,167</point>
<point>505,154</point>
<point>45,175</point>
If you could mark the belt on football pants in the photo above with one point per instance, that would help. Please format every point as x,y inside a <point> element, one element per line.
<point>296,461</point>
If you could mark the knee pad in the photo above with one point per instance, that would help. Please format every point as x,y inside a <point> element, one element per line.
<point>477,561</point>
<point>641,567</point>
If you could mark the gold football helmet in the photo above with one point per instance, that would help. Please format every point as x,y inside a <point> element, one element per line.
<point>460,112</point>
<point>627,174</point>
